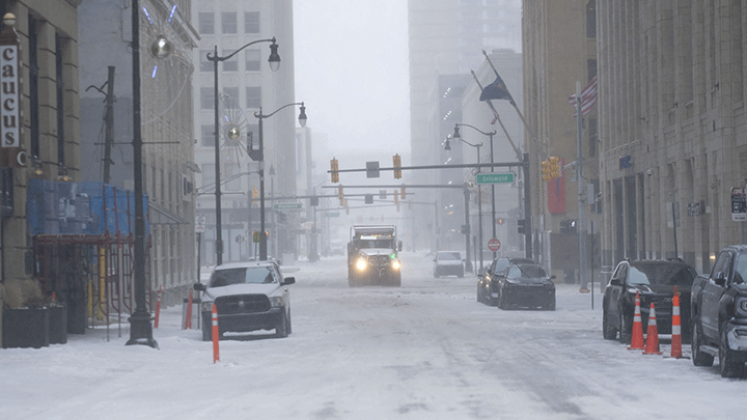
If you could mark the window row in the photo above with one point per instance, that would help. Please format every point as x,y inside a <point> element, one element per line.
<point>229,23</point>
<point>252,61</point>
<point>231,99</point>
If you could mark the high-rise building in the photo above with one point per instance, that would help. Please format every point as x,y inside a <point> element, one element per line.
<point>446,40</point>
<point>246,86</point>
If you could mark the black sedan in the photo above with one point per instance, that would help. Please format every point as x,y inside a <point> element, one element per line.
<point>524,284</point>
<point>654,280</point>
<point>485,280</point>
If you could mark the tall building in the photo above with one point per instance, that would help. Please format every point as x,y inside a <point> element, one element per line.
<point>446,38</point>
<point>672,128</point>
<point>168,168</point>
<point>560,44</point>
<point>40,50</point>
<point>246,86</point>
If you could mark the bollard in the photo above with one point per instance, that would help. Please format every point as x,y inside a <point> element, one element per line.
<point>216,336</point>
<point>158,307</point>
<point>188,321</point>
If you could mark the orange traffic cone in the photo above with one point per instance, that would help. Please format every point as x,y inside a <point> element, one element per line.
<point>676,327</point>
<point>636,341</point>
<point>652,336</point>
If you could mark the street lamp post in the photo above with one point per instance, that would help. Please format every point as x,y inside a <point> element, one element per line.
<point>258,155</point>
<point>492,186</point>
<point>274,61</point>
<point>447,147</point>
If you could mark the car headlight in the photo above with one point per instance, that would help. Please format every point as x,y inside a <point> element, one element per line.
<point>276,301</point>
<point>361,264</point>
<point>396,265</point>
<point>740,306</point>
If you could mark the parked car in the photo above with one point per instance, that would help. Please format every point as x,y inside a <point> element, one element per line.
<point>719,313</point>
<point>249,296</point>
<point>487,284</point>
<point>654,280</point>
<point>523,284</point>
<point>448,263</point>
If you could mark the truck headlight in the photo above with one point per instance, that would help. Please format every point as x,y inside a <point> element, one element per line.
<point>396,265</point>
<point>276,301</point>
<point>741,307</point>
<point>361,264</point>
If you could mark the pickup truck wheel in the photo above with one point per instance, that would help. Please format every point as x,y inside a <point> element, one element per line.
<point>207,330</point>
<point>730,363</point>
<point>699,358</point>
<point>608,331</point>
<point>625,330</point>
<point>281,329</point>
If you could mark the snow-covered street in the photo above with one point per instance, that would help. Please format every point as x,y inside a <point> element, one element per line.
<point>426,350</point>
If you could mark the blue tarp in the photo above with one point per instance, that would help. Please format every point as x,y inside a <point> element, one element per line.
<point>81,208</point>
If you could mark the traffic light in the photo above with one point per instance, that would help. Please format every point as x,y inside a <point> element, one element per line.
<point>334,173</point>
<point>396,197</point>
<point>521,226</point>
<point>397,164</point>
<point>369,199</point>
<point>546,170</point>
<point>255,192</point>
<point>554,167</point>
<point>341,195</point>
<point>500,221</point>
<point>314,201</point>
<point>404,194</point>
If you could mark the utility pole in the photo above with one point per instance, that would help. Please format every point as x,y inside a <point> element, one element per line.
<point>109,123</point>
<point>581,191</point>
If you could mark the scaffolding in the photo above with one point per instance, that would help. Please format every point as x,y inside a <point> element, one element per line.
<point>83,236</point>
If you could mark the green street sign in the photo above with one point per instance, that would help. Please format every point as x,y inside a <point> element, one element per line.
<point>332,214</point>
<point>495,178</point>
<point>288,206</point>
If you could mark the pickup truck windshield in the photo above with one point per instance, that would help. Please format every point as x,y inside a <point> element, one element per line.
<point>256,275</point>
<point>675,275</point>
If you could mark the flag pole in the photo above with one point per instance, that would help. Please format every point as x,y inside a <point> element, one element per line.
<point>521,116</point>
<point>498,117</point>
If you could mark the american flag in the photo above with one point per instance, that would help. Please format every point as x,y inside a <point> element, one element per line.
<point>588,97</point>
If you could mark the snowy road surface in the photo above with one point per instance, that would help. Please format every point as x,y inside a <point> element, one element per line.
<point>426,350</point>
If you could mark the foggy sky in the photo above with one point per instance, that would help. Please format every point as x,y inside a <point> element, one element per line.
<point>352,72</point>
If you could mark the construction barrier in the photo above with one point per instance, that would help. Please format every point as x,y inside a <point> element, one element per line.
<point>676,326</point>
<point>158,307</point>
<point>216,336</point>
<point>188,321</point>
<point>636,340</point>
<point>652,336</point>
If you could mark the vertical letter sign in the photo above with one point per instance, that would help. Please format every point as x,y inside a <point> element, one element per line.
<point>10,106</point>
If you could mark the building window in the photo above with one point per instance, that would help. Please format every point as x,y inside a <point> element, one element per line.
<point>231,97</point>
<point>208,177</point>
<point>205,64</point>
<point>206,23</point>
<point>591,68</point>
<point>253,97</point>
<point>228,22</point>
<point>593,137</point>
<point>207,98</point>
<point>60,101</point>
<point>233,180</point>
<point>591,19</point>
<point>34,87</point>
<point>253,58</point>
<point>207,136</point>
<point>251,22</point>
<point>231,64</point>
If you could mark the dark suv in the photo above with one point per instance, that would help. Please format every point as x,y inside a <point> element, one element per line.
<point>654,280</point>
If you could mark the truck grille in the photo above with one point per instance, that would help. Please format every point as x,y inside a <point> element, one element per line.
<point>241,304</point>
<point>379,260</point>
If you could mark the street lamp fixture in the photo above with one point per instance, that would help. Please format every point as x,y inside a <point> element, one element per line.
<point>492,186</point>
<point>233,134</point>
<point>468,262</point>
<point>258,155</point>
